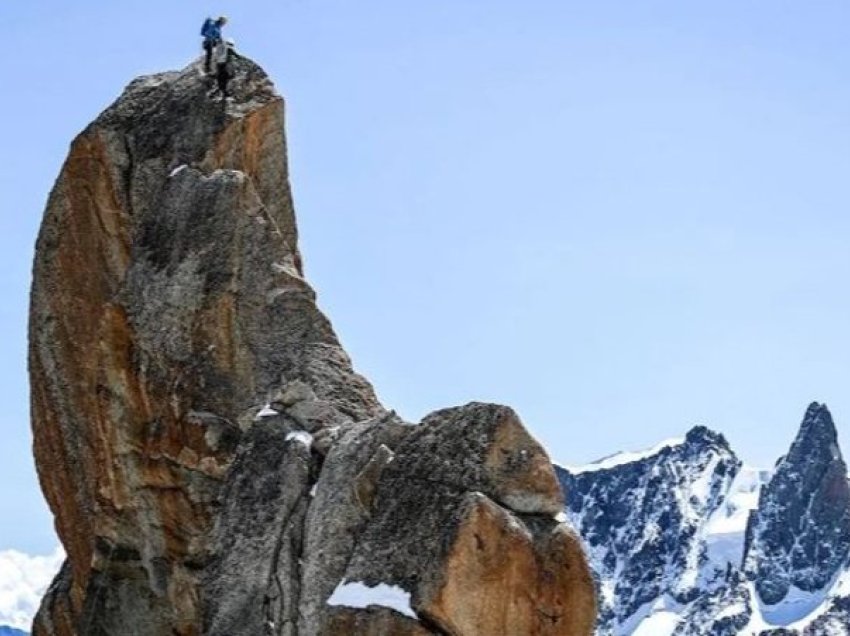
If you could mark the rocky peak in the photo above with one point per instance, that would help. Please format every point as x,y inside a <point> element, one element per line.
<point>800,534</point>
<point>644,516</point>
<point>704,437</point>
<point>214,463</point>
<point>817,437</point>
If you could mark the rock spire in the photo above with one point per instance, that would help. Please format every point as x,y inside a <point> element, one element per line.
<point>213,462</point>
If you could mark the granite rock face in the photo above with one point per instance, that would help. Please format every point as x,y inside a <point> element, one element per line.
<point>214,463</point>
<point>493,569</point>
<point>168,305</point>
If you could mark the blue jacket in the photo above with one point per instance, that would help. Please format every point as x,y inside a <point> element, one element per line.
<point>211,30</point>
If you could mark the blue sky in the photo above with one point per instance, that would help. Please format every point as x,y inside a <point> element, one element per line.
<point>621,218</point>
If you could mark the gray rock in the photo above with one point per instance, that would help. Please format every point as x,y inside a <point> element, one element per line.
<point>293,393</point>
<point>482,447</point>
<point>253,581</point>
<point>367,479</point>
<point>336,517</point>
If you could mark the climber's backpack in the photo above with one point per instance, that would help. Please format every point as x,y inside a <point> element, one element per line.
<point>206,30</point>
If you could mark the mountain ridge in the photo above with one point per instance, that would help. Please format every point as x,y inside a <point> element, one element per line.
<point>716,592</point>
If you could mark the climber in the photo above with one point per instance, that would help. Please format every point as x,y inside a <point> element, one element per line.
<point>223,55</point>
<point>211,32</point>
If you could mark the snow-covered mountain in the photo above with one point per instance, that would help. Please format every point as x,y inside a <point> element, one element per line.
<point>684,540</point>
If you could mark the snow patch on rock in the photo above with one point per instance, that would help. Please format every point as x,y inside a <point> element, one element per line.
<point>360,595</point>
<point>266,411</point>
<point>727,527</point>
<point>302,437</point>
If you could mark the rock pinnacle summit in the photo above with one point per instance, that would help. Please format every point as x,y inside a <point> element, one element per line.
<point>213,462</point>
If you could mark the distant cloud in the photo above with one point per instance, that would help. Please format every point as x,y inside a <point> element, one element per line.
<point>23,580</point>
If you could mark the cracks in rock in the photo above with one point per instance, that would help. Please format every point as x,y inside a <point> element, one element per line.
<point>431,624</point>
<point>461,490</point>
<point>268,215</point>
<point>96,586</point>
<point>479,542</point>
<point>283,619</point>
<point>128,175</point>
<point>551,617</point>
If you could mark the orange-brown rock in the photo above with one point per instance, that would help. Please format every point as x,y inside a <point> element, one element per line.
<point>507,577</point>
<point>168,304</point>
<point>214,464</point>
<point>441,530</point>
